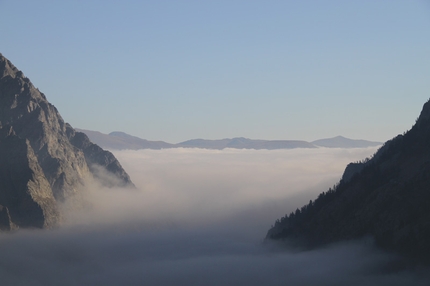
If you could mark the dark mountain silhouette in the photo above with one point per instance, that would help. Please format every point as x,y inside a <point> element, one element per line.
<point>386,197</point>
<point>342,142</point>
<point>43,160</point>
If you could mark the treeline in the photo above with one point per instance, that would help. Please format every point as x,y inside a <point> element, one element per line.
<point>303,218</point>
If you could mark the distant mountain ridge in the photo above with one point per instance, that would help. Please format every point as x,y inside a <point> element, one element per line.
<point>120,141</point>
<point>245,143</point>
<point>342,142</point>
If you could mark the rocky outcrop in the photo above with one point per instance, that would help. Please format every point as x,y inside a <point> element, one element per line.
<point>351,170</point>
<point>386,197</point>
<point>6,223</point>
<point>96,157</point>
<point>25,191</point>
<point>43,161</point>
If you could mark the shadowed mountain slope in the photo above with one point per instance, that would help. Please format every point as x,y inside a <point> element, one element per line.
<point>386,197</point>
<point>43,160</point>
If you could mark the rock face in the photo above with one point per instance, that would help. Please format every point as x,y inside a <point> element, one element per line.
<point>43,161</point>
<point>386,197</point>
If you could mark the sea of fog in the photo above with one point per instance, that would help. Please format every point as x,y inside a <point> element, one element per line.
<point>199,217</point>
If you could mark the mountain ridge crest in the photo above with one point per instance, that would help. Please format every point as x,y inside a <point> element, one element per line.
<point>43,160</point>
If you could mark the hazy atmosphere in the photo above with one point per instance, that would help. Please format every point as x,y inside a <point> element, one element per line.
<point>178,70</point>
<point>199,217</point>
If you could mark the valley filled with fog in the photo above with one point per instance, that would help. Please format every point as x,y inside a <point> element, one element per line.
<point>198,217</point>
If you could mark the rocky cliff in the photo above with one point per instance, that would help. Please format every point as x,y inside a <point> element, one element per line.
<point>43,160</point>
<point>386,197</point>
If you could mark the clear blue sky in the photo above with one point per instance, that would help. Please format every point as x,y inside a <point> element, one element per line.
<point>177,70</point>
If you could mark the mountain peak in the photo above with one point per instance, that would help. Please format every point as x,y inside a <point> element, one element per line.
<point>43,160</point>
<point>7,68</point>
<point>425,113</point>
<point>343,142</point>
<point>120,134</point>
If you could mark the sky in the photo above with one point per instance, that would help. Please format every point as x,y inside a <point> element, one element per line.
<point>179,70</point>
<point>199,217</point>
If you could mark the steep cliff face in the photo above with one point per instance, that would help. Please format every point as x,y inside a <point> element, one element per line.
<point>43,160</point>
<point>25,192</point>
<point>387,197</point>
<point>96,157</point>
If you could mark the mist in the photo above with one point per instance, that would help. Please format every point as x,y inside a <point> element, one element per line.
<point>199,217</point>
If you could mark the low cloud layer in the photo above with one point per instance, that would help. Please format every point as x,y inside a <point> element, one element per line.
<point>199,218</point>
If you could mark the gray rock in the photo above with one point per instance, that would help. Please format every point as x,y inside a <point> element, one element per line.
<point>5,220</point>
<point>43,161</point>
<point>24,189</point>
